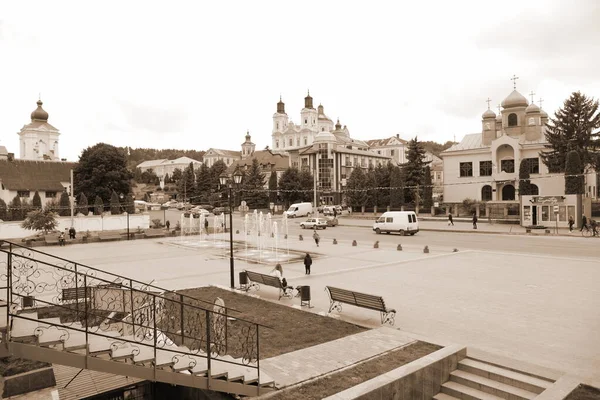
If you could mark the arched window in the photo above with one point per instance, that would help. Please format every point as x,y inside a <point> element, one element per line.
<point>535,191</point>
<point>486,193</point>
<point>512,119</point>
<point>508,192</point>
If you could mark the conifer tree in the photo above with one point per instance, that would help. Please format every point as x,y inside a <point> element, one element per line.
<point>427,189</point>
<point>254,186</point>
<point>290,186</point>
<point>574,183</point>
<point>98,206</point>
<point>37,201</point>
<point>3,211</point>
<point>82,205</point>
<point>204,184</point>
<point>15,209</point>
<point>414,170</point>
<point>64,205</point>
<point>356,195</point>
<point>397,188</point>
<point>115,205</point>
<point>273,187</point>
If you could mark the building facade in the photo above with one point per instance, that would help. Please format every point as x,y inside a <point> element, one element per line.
<point>38,140</point>
<point>212,155</point>
<point>393,147</point>
<point>163,167</point>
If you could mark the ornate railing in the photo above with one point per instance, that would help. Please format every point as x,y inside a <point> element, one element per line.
<point>146,317</point>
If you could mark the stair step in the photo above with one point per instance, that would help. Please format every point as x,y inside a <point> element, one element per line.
<point>201,367</point>
<point>466,393</point>
<point>100,344</point>
<point>490,386</point>
<point>74,341</point>
<point>218,369</point>
<point>444,396</point>
<point>510,377</point>
<point>22,328</point>
<point>265,380</point>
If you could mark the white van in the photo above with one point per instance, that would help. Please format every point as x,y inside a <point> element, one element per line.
<point>403,222</point>
<point>299,210</point>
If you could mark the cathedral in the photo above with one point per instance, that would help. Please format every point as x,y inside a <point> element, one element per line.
<point>38,140</point>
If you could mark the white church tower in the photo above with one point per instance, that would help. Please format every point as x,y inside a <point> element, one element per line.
<point>38,139</point>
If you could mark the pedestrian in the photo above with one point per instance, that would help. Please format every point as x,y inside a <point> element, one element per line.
<point>474,220</point>
<point>61,239</point>
<point>277,271</point>
<point>583,222</point>
<point>168,224</point>
<point>72,233</point>
<point>316,237</point>
<point>450,221</point>
<point>334,213</point>
<point>307,264</point>
<point>571,223</point>
<point>206,225</point>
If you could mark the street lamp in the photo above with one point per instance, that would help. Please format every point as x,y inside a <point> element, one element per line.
<point>122,196</point>
<point>225,181</point>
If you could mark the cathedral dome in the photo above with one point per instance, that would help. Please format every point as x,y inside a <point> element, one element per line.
<point>488,114</point>
<point>532,108</point>
<point>544,114</point>
<point>515,99</point>
<point>39,114</point>
<point>499,118</point>
<point>323,137</point>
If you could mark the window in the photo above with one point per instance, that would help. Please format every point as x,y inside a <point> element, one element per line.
<point>535,190</point>
<point>534,165</point>
<point>389,219</point>
<point>512,119</point>
<point>322,129</point>
<point>378,151</point>
<point>531,121</point>
<point>50,195</point>
<point>305,141</point>
<point>485,168</point>
<point>291,142</point>
<point>297,141</point>
<point>277,144</point>
<point>23,193</point>
<point>305,121</point>
<point>348,163</point>
<point>392,152</point>
<point>278,126</point>
<point>507,166</point>
<point>508,192</point>
<point>466,169</point>
<point>486,193</point>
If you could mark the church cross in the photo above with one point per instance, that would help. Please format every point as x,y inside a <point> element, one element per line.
<point>541,101</point>
<point>499,108</point>
<point>488,101</point>
<point>532,94</point>
<point>514,79</point>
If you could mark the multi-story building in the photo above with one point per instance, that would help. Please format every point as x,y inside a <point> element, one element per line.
<point>393,147</point>
<point>212,155</point>
<point>165,167</point>
<point>38,139</point>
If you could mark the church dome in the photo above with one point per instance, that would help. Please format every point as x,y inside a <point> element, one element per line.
<point>488,114</point>
<point>544,114</point>
<point>515,99</point>
<point>39,114</point>
<point>499,118</point>
<point>532,108</point>
<point>323,137</point>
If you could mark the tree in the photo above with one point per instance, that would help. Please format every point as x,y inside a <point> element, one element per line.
<point>382,175</point>
<point>254,186</point>
<point>3,211</point>
<point>575,127</point>
<point>15,209</point>
<point>427,189</point>
<point>37,201</point>
<point>129,204</point>
<point>574,174</point>
<point>40,220</point>
<point>115,205</point>
<point>215,172</point>
<point>289,185</point>
<point>176,176</point>
<point>150,177</point>
<point>356,195</point>
<point>204,184</point>
<point>83,204</point>
<point>187,184</point>
<point>371,186</point>
<point>414,170</point>
<point>98,206</point>
<point>64,205</point>
<point>307,185</point>
<point>273,187</point>
<point>101,170</point>
<point>397,188</point>
<point>525,188</point>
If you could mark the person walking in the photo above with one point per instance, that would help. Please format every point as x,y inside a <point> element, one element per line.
<point>571,223</point>
<point>474,220</point>
<point>316,237</point>
<point>206,225</point>
<point>72,233</point>
<point>168,224</point>
<point>334,213</point>
<point>307,264</point>
<point>450,221</point>
<point>61,239</point>
<point>583,222</point>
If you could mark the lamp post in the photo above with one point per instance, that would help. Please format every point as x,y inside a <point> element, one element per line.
<point>225,181</point>
<point>127,211</point>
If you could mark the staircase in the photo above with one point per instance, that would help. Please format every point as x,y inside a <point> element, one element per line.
<point>58,311</point>
<point>477,379</point>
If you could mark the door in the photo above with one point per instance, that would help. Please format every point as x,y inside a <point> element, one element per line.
<point>534,215</point>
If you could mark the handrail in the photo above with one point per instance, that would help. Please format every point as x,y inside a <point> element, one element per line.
<point>124,286</point>
<point>105,272</point>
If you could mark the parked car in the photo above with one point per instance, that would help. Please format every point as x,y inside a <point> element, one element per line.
<point>331,221</point>
<point>207,207</point>
<point>319,223</point>
<point>199,211</point>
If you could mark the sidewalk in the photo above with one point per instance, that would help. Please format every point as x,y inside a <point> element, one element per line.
<point>441,225</point>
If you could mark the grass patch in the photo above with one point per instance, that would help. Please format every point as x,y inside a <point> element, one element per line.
<point>584,392</point>
<point>339,381</point>
<point>72,313</point>
<point>10,366</point>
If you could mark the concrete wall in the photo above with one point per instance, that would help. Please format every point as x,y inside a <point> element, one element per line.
<point>420,379</point>
<point>13,230</point>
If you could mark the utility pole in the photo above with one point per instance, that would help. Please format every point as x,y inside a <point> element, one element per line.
<point>316,213</point>
<point>72,199</point>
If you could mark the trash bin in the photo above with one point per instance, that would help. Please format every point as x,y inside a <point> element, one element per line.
<point>243,279</point>
<point>305,296</point>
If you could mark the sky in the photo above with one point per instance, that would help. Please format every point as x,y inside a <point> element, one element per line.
<point>199,74</point>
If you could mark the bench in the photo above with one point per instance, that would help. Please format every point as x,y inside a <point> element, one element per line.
<point>269,280</point>
<point>154,233</point>
<point>51,239</point>
<point>338,296</point>
<point>80,293</point>
<point>109,236</point>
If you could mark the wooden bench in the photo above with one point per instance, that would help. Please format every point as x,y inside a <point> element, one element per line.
<point>338,296</point>
<point>269,280</point>
<point>80,293</point>
<point>154,233</point>
<point>109,236</point>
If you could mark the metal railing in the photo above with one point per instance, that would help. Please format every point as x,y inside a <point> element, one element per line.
<point>147,319</point>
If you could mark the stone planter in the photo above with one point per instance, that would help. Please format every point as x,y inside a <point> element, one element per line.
<point>28,382</point>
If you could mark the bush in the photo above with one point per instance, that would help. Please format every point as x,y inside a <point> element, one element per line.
<point>157,223</point>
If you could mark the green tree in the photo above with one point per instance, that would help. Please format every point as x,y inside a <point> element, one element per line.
<point>129,204</point>
<point>37,201</point>
<point>64,205</point>
<point>382,175</point>
<point>3,211</point>
<point>574,183</point>
<point>40,220</point>
<point>82,205</point>
<point>575,127</point>
<point>215,172</point>
<point>414,171</point>
<point>307,186</point>
<point>525,188</point>
<point>204,184</point>
<point>187,185</point>
<point>273,187</point>
<point>254,186</point>
<point>176,176</point>
<point>115,205</point>
<point>98,206</point>
<point>397,188</point>
<point>356,195</point>
<point>150,177</point>
<point>427,189</point>
<point>15,209</point>
<point>371,186</point>
<point>101,170</point>
<point>289,186</point>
